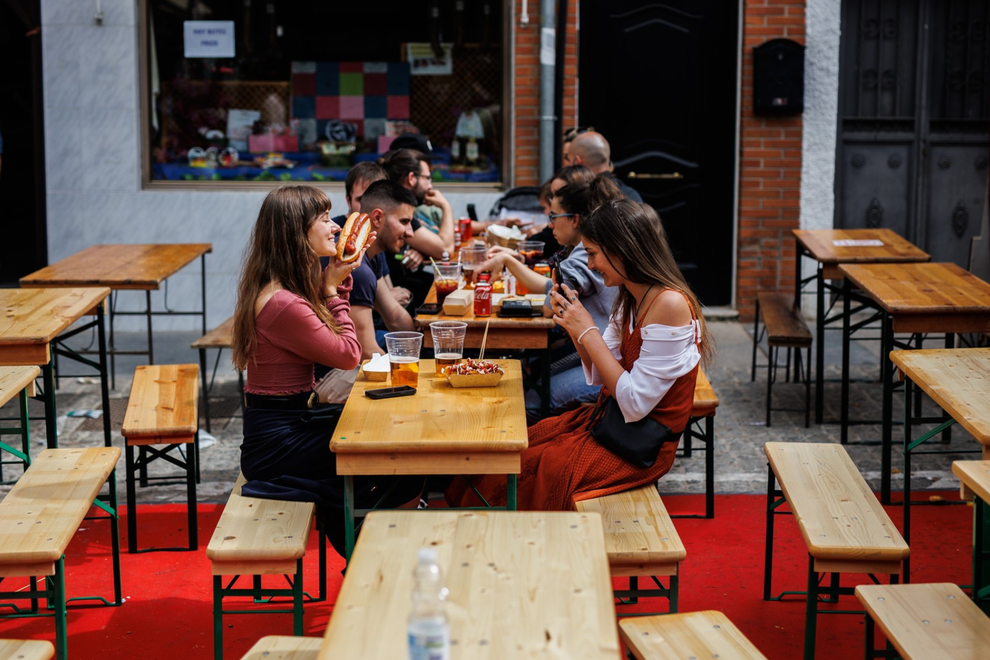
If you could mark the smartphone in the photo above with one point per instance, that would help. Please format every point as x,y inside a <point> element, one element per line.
<point>428,308</point>
<point>390,392</point>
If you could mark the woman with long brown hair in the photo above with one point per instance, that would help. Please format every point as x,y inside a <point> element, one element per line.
<point>290,315</point>
<point>646,361</point>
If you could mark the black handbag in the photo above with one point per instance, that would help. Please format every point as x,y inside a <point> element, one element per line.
<point>637,442</point>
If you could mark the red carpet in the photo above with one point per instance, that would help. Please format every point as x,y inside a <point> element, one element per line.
<point>168,608</point>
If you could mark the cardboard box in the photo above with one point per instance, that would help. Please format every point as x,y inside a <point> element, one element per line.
<point>459,302</point>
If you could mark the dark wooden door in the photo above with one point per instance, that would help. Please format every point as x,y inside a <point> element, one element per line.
<point>659,82</point>
<point>915,114</point>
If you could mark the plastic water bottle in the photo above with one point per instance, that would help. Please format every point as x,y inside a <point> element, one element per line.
<point>429,631</point>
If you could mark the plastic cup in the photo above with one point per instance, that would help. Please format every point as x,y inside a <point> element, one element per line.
<point>470,258</point>
<point>403,357</point>
<point>531,251</point>
<point>448,343</point>
<point>446,279</point>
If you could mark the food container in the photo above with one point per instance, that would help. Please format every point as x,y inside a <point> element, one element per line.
<point>458,303</point>
<point>474,380</point>
<point>377,368</point>
<point>504,236</point>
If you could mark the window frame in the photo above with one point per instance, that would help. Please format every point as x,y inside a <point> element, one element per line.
<point>507,127</point>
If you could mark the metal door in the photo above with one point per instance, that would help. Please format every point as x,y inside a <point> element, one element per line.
<point>914,120</point>
<point>659,82</point>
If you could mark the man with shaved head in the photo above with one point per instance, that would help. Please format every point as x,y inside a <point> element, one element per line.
<point>591,150</point>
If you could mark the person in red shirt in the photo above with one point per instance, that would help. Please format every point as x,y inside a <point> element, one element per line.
<point>290,315</point>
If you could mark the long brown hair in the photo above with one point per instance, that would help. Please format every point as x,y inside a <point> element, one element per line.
<point>633,234</point>
<point>280,252</point>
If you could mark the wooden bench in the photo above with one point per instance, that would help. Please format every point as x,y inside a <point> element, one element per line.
<point>219,338</point>
<point>924,621</point>
<point>280,647</point>
<point>784,328</point>
<point>708,634</point>
<point>701,426</point>
<point>162,416</point>
<point>25,649</point>
<point>974,478</point>
<point>18,382</point>
<point>38,519</point>
<point>843,525</point>
<point>640,540</point>
<point>256,537</point>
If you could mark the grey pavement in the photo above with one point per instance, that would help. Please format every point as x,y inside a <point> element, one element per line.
<point>740,428</point>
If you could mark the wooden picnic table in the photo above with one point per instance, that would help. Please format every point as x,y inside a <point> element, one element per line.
<point>912,298</point>
<point>522,584</point>
<point>830,248</point>
<point>124,267</point>
<point>958,380</point>
<point>439,430</point>
<point>33,320</point>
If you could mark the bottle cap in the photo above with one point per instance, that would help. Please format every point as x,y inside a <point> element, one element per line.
<point>427,556</point>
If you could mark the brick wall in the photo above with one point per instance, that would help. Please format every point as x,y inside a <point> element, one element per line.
<point>526,99</point>
<point>769,166</point>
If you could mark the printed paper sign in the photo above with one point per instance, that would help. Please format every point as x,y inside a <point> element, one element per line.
<point>424,62</point>
<point>208,38</point>
<point>864,242</point>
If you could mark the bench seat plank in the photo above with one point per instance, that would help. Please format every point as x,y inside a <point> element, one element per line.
<point>252,530</point>
<point>15,379</point>
<point>26,649</point>
<point>43,510</point>
<point>783,321</point>
<point>708,634</point>
<point>839,516</point>
<point>925,621</point>
<point>974,477</point>
<point>639,534</point>
<point>163,403</point>
<point>705,399</point>
<point>283,647</point>
<point>219,337</point>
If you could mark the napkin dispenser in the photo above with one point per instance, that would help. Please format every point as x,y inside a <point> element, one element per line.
<point>458,303</point>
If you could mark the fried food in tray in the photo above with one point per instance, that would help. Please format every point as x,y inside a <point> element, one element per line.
<point>474,373</point>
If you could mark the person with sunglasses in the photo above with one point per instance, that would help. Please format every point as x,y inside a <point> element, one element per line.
<point>646,361</point>
<point>569,205</point>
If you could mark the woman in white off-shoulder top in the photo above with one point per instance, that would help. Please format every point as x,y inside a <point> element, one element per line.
<point>647,358</point>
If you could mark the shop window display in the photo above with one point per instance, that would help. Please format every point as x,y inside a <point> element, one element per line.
<point>312,88</point>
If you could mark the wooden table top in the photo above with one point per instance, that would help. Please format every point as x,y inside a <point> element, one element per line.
<point>26,649</point>
<point>958,379</point>
<point>471,430</point>
<point>139,266</point>
<point>925,621</point>
<point>974,477</point>
<point>921,288</point>
<point>820,244</point>
<point>522,584</point>
<point>31,318</point>
<point>502,332</point>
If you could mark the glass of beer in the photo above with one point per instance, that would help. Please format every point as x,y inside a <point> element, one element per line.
<point>448,343</point>
<point>403,357</point>
<point>447,279</point>
<point>471,257</point>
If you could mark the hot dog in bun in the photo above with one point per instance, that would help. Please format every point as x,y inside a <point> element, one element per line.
<point>353,236</point>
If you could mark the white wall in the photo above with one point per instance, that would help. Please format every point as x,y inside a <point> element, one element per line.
<point>93,160</point>
<point>821,106</point>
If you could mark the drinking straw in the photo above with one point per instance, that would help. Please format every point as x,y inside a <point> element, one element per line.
<point>484,338</point>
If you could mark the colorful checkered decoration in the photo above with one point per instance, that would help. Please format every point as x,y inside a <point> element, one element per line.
<point>362,93</point>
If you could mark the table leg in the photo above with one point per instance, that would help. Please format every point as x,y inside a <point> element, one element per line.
<point>202,285</point>
<point>906,574</point>
<point>104,385</point>
<point>151,340</point>
<point>510,493</point>
<point>886,375</point>
<point>981,567</point>
<point>820,347</point>
<point>48,379</point>
<point>113,345</point>
<point>844,397</point>
<point>206,389</point>
<point>545,381</point>
<point>348,517</point>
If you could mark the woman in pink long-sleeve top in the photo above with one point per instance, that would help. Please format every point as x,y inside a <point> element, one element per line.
<point>289,316</point>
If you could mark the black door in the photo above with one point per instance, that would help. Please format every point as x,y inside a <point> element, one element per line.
<point>659,82</point>
<point>22,169</point>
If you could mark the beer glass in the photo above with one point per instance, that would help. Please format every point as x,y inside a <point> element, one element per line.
<point>403,357</point>
<point>448,343</point>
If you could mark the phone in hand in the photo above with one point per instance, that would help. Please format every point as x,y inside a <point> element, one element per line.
<point>390,392</point>
<point>428,309</point>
